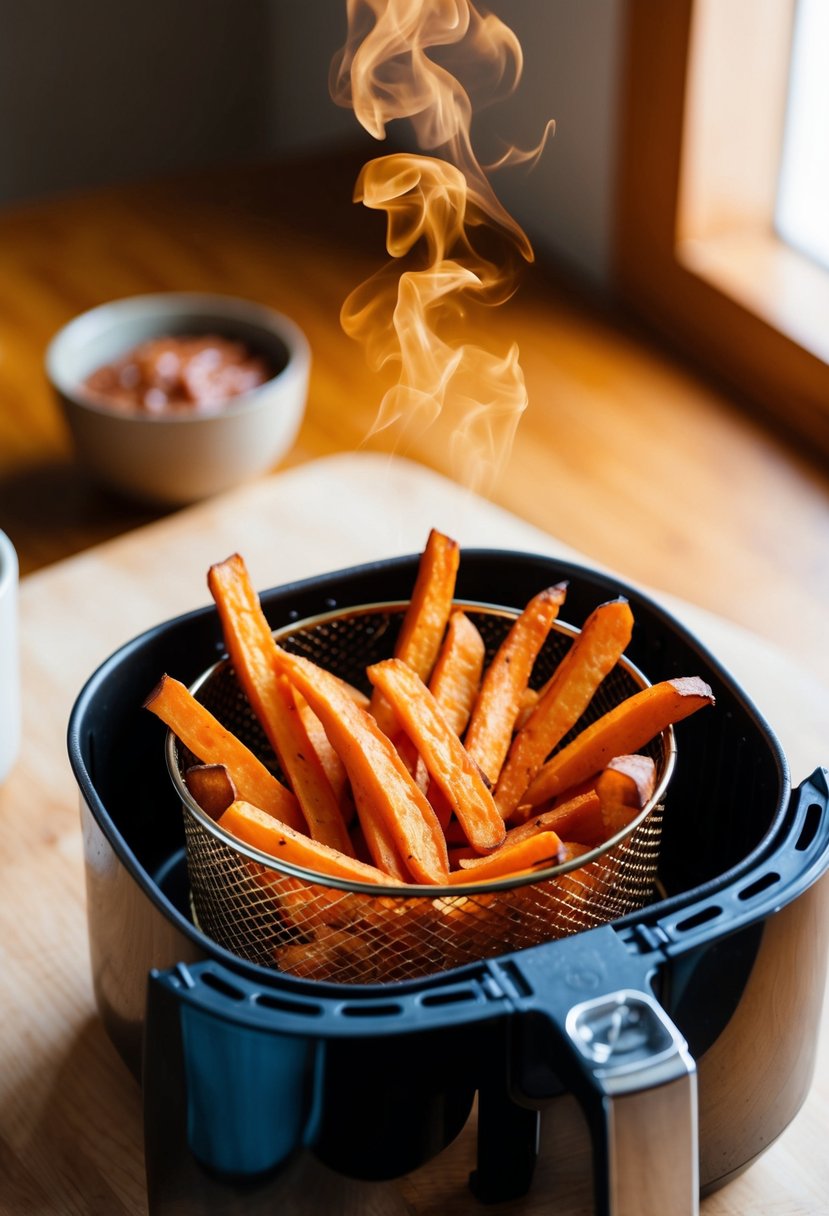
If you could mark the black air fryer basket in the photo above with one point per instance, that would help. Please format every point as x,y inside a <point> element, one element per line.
<point>249,1073</point>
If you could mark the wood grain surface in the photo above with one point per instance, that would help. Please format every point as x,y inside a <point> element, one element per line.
<point>70,1114</point>
<point>624,453</point>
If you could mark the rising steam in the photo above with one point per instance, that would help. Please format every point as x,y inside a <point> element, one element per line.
<point>454,244</point>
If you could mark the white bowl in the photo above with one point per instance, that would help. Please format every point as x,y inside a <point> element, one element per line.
<point>176,458</point>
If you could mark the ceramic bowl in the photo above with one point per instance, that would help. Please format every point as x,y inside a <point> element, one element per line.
<point>175,458</point>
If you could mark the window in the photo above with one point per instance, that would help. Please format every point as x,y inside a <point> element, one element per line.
<point>702,249</point>
<point>802,213</point>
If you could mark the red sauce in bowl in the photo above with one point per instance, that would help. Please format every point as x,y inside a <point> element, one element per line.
<point>172,374</point>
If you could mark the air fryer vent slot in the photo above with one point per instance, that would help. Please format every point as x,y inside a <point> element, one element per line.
<point>810,826</point>
<point>699,918</point>
<point>759,885</point>
<point>285,1005</point>
<point>454,996</point>
<point>221,985</point>
<point>370,1010</point>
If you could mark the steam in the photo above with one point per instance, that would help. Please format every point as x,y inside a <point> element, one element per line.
<point>454,245</point>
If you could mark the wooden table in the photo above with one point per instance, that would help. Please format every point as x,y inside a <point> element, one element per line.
<point>70,1114</point>
<point>623,456</point>
<point>622,453</point>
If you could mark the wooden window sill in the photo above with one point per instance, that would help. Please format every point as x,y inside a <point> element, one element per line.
<point>766,277</point>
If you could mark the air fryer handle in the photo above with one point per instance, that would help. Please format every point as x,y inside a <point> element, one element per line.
<point>641,1101</point>
<point>224,1098</point>
<point>587,1006</point>
<point>591,1021</point>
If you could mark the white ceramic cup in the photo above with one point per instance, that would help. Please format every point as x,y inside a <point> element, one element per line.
<point>9,661</point>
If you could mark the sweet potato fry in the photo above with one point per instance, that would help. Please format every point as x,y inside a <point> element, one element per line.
<point>456,676</point>
<point>563,905</point>
<point>510,859</point>
<point>444,755</point>
<point>526,704</point>
<point>577,888</point>
<point>525,811</point>
<point>316,797</point>
<point>251,647</point>
<point>578,819</point>
<point>206,738</point>
<point>440,803</point>
<point>211,787</point>
<point>378,830</point>
<point>628,726</point>
<point>564,698</point>
<point>357,695</point>
<point>496,707</point>
<point>623,789</point>
<point>332,954</point>
<point>332,764</point>
<point>384,790</point>
<point>424,623</point>
<point>251,825</point>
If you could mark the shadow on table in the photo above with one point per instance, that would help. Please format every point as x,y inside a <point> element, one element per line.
<point>53,510</point>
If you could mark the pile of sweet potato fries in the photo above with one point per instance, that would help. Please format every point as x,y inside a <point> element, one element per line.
<point>450,773</point>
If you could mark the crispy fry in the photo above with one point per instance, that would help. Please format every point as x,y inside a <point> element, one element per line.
<point>304,907</point>
<point>564,698</point>
<point>579,819</point>
<point>443,753</point>
<point>331,955</point>
<point>407,752</point>
<point>328,758</point>
<point>211,787</point>
<point>251,825</point>
<point>578,883</point>
<point>509,859</point>
<point>314,791</point>
<point>384,790</point>
<point>623,789</point>
<point>496,707</point>
<point>630,725</point>
<point>440,804</point>
<point>555,907</point>
<point>251,647</point>
<point>456,676</point>
<point>574,893</point>
<point>526,704</point>
<point>425,620</point>
<point>378,829</point>
<point>206,738</point>
<point>357,695</point>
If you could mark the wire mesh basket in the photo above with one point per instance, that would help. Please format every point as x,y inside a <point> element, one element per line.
<point>278,915</point>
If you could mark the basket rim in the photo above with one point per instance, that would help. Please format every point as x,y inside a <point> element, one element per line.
<point>416,890</point>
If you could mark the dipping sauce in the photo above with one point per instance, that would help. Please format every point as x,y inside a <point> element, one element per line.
<point>173,374</point>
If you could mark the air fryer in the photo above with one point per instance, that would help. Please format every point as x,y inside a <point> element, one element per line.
<point>686,1030</point>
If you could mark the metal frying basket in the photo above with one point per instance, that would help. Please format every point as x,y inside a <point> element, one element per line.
<point>278,915</point>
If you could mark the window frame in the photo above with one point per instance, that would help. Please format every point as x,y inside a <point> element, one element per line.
<point>708,272</point>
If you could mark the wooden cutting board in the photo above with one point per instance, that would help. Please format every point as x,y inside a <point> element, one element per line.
<point>70,1115</point>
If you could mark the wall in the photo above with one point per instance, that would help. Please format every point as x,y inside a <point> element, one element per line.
<point>571,59</point>
<point>92,92</point>
<point>571,52</point>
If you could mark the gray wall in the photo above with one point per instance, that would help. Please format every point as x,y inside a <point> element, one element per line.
<point>571,60</point>
<point>94,91</point>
